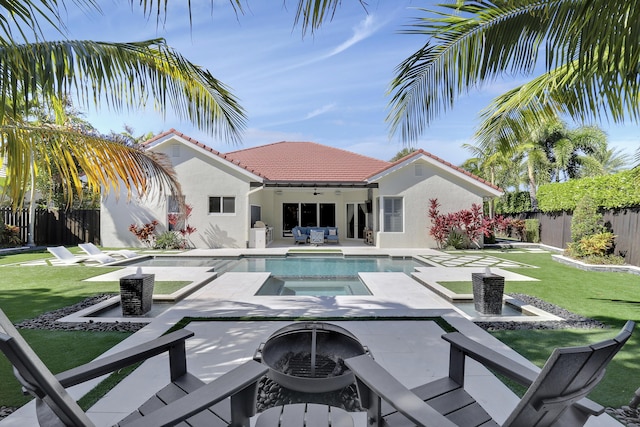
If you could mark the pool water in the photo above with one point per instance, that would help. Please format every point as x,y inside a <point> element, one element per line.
<point>298,275</point>
<point>312,286</point>
<point>329,267</point>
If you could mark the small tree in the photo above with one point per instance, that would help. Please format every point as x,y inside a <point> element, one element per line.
<point>586,220</point>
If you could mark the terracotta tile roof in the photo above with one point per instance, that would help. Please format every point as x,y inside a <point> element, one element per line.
<point>306,162</point>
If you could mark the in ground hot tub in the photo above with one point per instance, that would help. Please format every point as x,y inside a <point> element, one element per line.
<point>309,356</point>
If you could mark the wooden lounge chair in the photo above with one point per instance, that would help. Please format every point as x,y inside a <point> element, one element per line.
<point>556,394</point>
<point>227,401</point>
<point>92,250</point>
<point>64,256</point>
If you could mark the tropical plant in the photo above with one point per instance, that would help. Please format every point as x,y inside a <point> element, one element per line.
<point>460,228</point>
<point>146,233</point>
<point>167,240</point>
<point>121,76</point>
<point>589,49</point>
<point>179,224</point>
<point>586,220</point>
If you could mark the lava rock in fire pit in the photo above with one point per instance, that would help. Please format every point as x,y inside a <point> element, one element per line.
<point>272,394</point>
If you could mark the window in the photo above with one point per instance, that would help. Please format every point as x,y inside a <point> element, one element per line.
<point>392,215</point>
<point>175,219</point>
<point>222,205</point>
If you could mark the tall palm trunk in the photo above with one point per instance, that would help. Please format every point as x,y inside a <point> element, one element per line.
<point>532,186</point>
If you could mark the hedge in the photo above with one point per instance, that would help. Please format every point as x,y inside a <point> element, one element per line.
<point>513,202</point>
<point>620,190</point>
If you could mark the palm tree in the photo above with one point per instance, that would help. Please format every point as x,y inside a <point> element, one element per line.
<point>589,48</point>
<point>490,164</point>
<point>122,76</point>
<point>605,161</point>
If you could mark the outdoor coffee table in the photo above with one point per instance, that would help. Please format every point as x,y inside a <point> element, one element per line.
<point>304,415</point>
<point>316,237</point>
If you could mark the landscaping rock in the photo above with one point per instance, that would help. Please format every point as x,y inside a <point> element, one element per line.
<point>571,320</point>
<point>49,320</point>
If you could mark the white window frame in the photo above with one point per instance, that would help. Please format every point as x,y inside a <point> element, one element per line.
<point>172,202</point>
<point>383,213</point>
<point>222,212</point>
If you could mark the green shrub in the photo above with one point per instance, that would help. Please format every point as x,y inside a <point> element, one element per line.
<point>608,191</point>
<point>593,247</point>
<point>532,230</point>
<point>457,240</point>
<point>597,244</point>
<point>513,202</point>
<point>586,220</point>
<point>167,240</point>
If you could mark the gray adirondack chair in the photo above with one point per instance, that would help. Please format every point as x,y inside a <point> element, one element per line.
<point>555,397</point>
<point>227,401</point>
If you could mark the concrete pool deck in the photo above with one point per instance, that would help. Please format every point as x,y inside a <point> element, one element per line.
<point>406,342</point>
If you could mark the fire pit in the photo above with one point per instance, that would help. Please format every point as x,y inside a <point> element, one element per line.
<point>309,357</point>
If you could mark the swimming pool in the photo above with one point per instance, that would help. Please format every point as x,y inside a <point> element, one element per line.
<point>325,266</point>
<point>298,275</point>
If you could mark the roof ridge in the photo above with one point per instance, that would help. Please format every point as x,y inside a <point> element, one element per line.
<point>204,147</point>
<point>306,142</point>
<point>421,151</point>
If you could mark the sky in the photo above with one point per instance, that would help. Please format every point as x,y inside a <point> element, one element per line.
<point>330,87</point>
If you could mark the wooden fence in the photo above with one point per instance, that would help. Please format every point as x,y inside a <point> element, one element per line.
<point>56,228</point>
<point>555,230</point>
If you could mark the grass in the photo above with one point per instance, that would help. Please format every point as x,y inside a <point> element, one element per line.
<point>611,298</point>
<point>29,291</point>
<point>458,287</point>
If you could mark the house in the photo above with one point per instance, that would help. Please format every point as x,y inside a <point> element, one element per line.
<point>286,184</point>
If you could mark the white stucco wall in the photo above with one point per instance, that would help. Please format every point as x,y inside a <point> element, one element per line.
<point>201,176</point>
<point>453,194</point>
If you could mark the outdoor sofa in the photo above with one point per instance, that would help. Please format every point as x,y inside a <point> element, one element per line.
<point>302,234</point>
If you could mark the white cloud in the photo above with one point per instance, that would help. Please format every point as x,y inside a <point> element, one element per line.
<point>363,30</point>
<point>319,111</point>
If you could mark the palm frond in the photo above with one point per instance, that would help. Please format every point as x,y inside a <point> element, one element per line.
<point>24,16</point>
<point>106,165</point>
<point>475,42</point>
<point>123,75</point>
<point>566,90</point>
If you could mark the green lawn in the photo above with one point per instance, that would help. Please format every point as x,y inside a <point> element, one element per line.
<point>609,297</point>
<point>612,298</point>
<point>28,291</point>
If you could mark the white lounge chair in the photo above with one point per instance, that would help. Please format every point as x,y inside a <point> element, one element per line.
<point>64,256</point>
<point>93,250</point>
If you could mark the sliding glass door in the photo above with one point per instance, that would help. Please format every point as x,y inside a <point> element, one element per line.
<point>307,215</point>
<point>356,220</point>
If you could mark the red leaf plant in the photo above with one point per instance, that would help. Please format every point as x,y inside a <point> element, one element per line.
<point>471,222</point>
